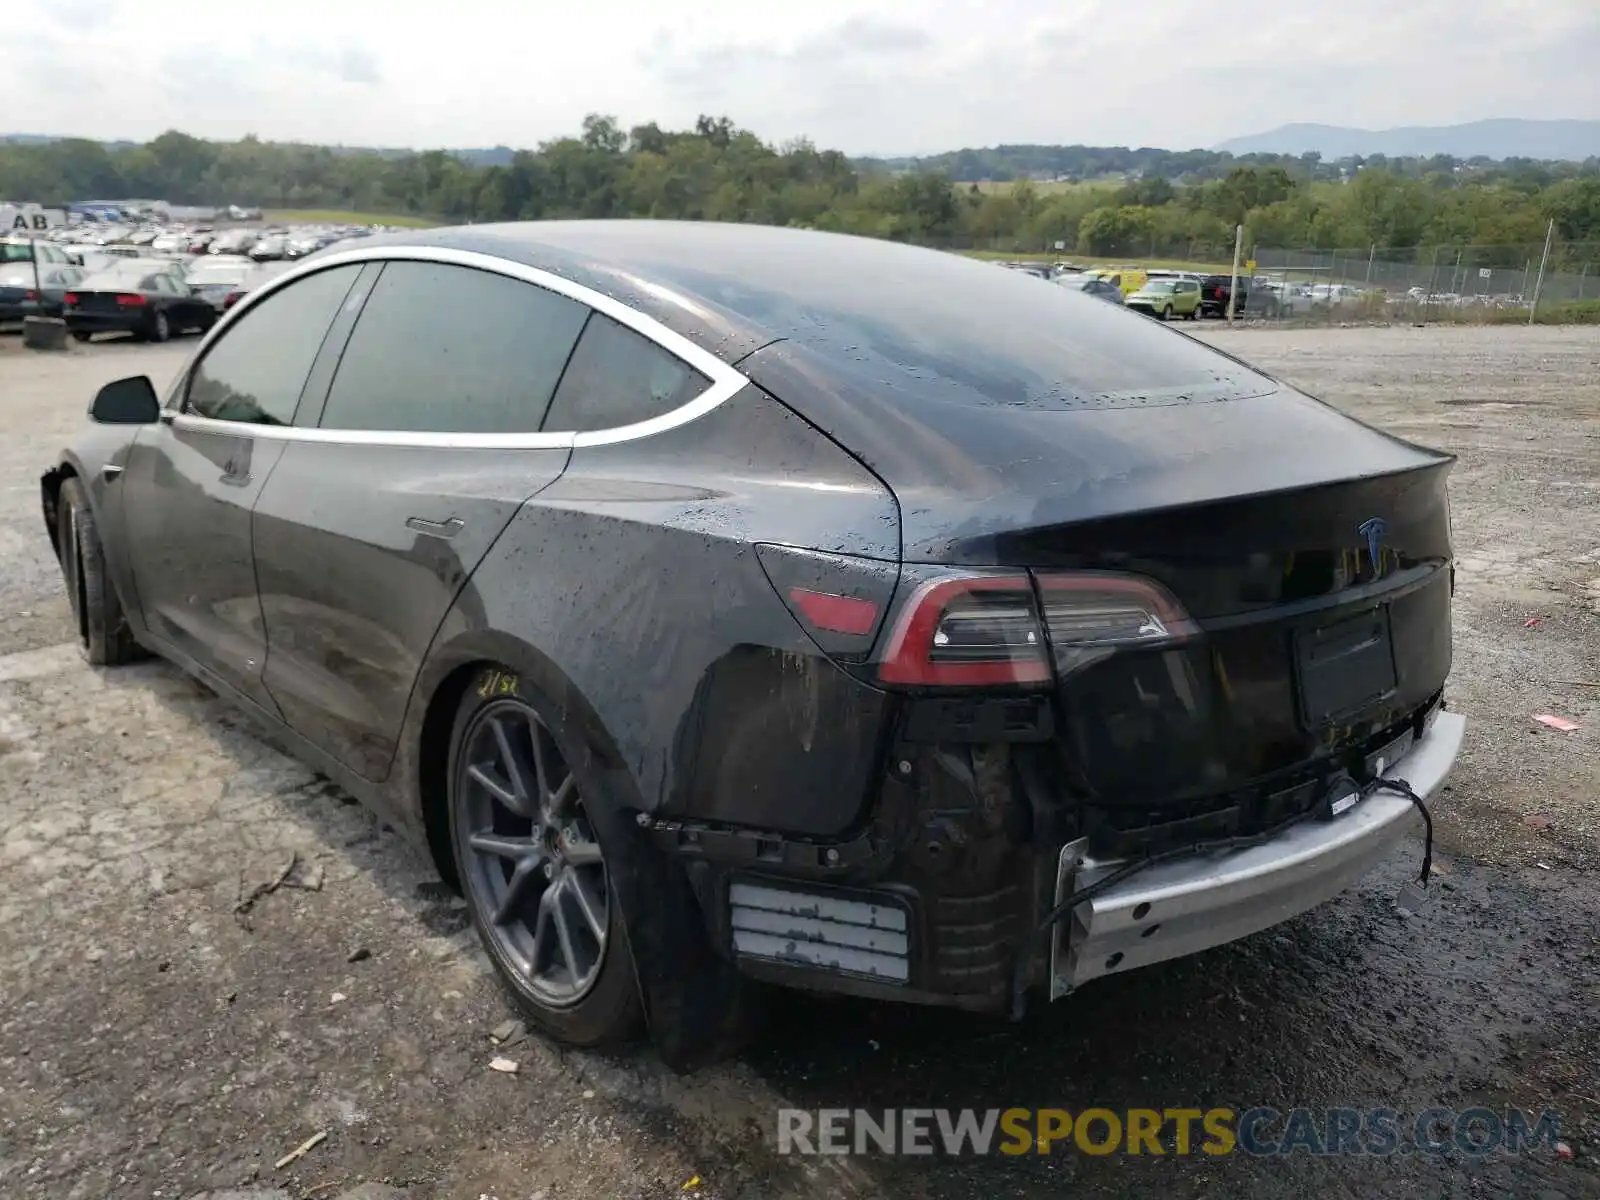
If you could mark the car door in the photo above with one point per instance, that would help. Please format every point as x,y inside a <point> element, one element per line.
<point>190,481</point>
<point>427,446</point>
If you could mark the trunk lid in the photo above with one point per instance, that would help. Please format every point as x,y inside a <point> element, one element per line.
<point>1313,552</point>
<point>102,302</point>
<point>1324,637</point>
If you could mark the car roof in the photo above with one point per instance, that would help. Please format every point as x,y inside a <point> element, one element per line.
<point>732,288</point>
<point>921,321</point>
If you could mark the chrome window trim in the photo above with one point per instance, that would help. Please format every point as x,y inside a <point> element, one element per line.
<point>725,380</point>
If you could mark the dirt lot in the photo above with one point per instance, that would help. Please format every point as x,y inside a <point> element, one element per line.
<point>154,1042</point>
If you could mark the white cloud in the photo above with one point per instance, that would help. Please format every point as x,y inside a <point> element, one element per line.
<point>890,76</point>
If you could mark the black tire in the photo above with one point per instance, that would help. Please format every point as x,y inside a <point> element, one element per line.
<point>160,327</point>
<point>1166,313</point>
<point>102,626</point>
<point>605,1008</point>
<point>81,335</point>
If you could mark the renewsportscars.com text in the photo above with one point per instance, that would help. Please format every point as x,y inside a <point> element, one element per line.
<point>1262,1131</point>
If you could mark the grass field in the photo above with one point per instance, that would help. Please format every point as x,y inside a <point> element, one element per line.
<point>1047,187</point>
<point>335,216</point>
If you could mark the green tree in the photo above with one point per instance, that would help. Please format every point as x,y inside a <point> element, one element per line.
<point>1119,231</point>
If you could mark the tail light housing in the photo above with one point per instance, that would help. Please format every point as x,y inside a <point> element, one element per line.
<point>969,631</point>
<point>130,300</point>
<point>30,294</point>
<point>989,630</point>
<point>231,299</point>
<point>70,298</point>
<point>1091,615</point>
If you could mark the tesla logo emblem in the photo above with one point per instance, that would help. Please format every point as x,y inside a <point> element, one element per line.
<point>1373,529</point>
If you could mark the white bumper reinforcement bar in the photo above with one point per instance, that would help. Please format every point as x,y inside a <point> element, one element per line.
<point>1206,899</point>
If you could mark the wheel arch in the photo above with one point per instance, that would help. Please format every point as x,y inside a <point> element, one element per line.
<point>444,681</point>
<point>693,1000</point>
<point>50,499</point>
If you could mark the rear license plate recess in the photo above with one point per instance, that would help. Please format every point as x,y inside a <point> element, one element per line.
<point>1344,668</point>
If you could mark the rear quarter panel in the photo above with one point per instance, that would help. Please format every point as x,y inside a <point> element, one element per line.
<point>635,577</point>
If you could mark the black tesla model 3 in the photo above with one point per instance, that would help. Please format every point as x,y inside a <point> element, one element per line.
<point>724,604</point>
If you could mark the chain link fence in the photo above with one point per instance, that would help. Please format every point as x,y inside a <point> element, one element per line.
<point>1433,283</point>
<point>1443,283</point>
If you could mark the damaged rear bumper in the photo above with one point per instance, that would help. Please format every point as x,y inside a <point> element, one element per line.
<point>1203,900</point>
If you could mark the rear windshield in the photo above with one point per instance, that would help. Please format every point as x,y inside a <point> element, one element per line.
<point>937,326</point>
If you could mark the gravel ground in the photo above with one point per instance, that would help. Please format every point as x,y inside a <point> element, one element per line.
<point>155,1042</point>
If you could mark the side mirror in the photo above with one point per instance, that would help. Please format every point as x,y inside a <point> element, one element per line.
<point>129,401</point>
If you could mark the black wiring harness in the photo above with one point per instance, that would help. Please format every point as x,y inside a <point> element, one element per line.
<point>1034,939</point>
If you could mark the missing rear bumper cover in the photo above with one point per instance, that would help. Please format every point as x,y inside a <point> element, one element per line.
<point>1177,905</point>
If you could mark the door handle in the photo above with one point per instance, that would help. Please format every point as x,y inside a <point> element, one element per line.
<point>439,529</point>
<point>110,471</point>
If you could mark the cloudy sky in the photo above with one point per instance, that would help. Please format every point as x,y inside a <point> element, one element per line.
<point>864,76</point>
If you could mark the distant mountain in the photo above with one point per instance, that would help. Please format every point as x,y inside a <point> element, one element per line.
<point>1506,137</point>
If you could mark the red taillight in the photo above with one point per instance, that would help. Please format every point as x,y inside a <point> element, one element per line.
<point>231,299</point>
<point>836,614</point>
<point>990,630</point>
<point>70,298</point>
<point>130,300</point>
<point>970,631</point>
<point>30,294</point>
<point>1219,293</point>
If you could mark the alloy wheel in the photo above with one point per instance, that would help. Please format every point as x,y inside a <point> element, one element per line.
<point>532,865</point>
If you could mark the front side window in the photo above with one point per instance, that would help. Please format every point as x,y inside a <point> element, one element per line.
<point>618,377</point>
<point>447,349</point>
<point>255,371</point>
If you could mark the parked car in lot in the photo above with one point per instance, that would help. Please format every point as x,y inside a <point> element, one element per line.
<point>24,294</point>
<point>1254,300</point>
<point>722,603</point>
<point>1126,279</point>
<point>14,250</point>
<point>1092,285</point>
<point>233,241</point>
<point>273,246</point>
<point>220,280</point>
<point>1167,298</point>
<point>143,299</point>
<point>258,275</point>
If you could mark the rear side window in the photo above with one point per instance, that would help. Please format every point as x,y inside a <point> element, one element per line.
<point>445,349</point>
<point>618,377</point>
<point>256,369</point>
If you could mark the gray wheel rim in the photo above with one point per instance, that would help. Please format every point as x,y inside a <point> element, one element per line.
<point>161,327</point>
<point>533,867</point>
